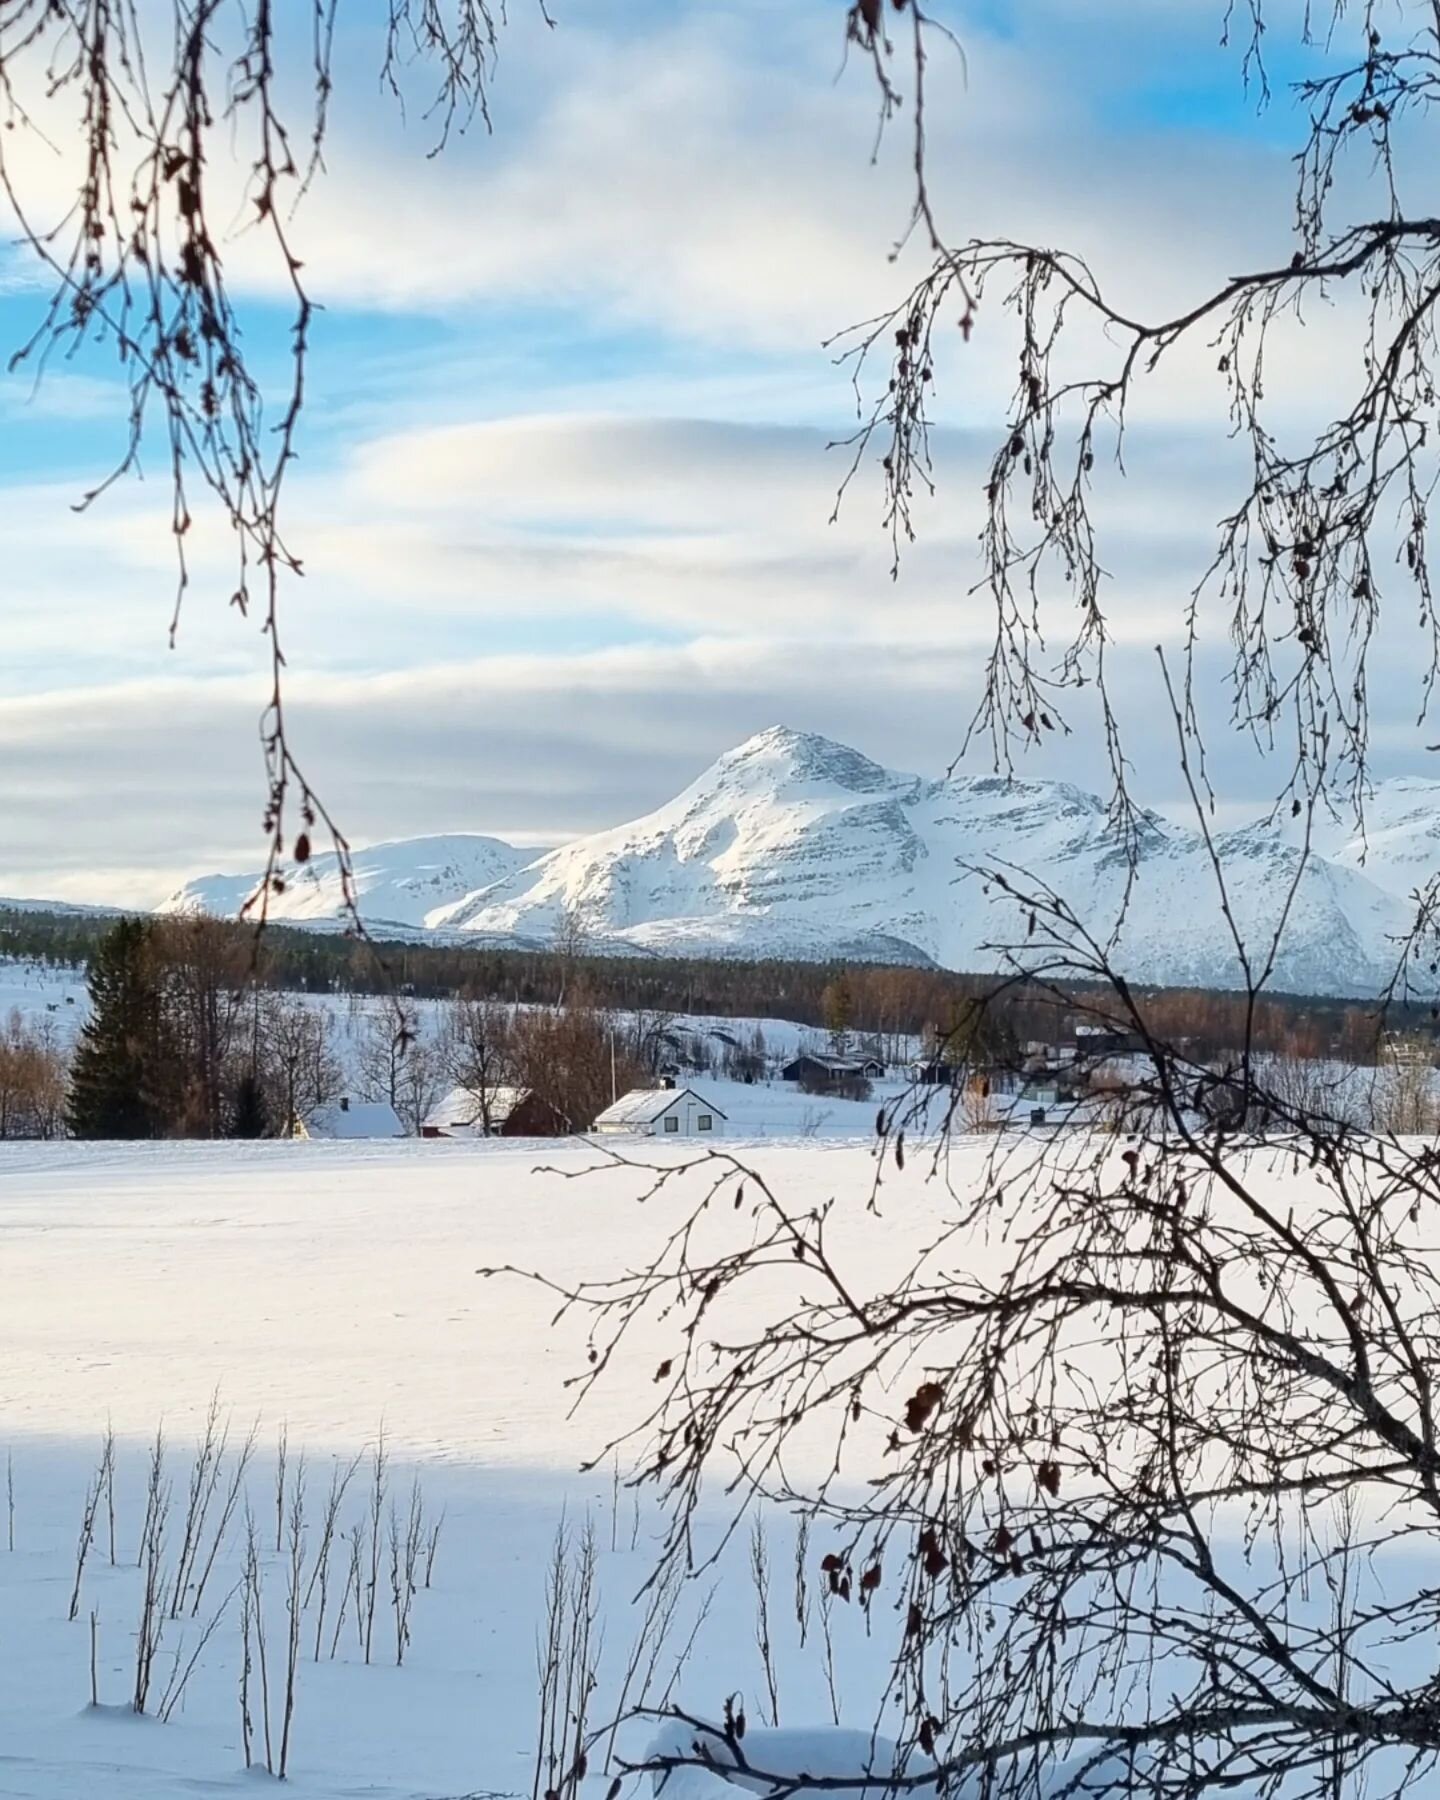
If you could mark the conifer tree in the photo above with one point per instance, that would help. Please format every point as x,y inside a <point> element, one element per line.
<point>249,1118</point>
<point>837,1006</point>
<point>112,1079</point>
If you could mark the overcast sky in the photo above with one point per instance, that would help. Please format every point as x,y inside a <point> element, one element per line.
<point>565,492</point>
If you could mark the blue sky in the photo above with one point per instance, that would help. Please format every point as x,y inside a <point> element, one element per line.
<point>564,490</point>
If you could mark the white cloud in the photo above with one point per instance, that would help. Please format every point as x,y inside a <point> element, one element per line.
<point>708,173</point>
<point>558,530</point>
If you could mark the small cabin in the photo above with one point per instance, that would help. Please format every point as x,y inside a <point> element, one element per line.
<point>832,1071</point>
<point>1093,1043</point>
<point>346,1119</point>
<point>934,1071</point>
<point>501,1111</point>
<point>661,1112</point>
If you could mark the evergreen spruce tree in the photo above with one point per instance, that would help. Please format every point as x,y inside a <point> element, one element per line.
<point>112,1080</point>
<point>249,1118</point>
<point>837,1007</point>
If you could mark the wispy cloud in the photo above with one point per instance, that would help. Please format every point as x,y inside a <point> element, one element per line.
<point>60,395</point>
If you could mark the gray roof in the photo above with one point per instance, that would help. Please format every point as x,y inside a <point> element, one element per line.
<point>838,1065</point>
<point>356,1119</point>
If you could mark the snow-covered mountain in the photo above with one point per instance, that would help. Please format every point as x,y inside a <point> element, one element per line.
<point>792,845</point>
<point>397,883</point>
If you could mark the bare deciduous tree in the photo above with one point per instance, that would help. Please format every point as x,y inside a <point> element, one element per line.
<point>575,1059</point>
<point>33,1071</point>
<point>478,1051</point>
<point>202,970</point>
<point>1135,1444</point>
<point>302,1071</point>
<point>397,1063</point>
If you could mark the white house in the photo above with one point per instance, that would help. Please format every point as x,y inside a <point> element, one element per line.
<point>661,1112</point>
<point>347,1119</point>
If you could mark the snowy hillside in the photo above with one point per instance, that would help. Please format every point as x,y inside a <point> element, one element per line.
<point>1399,848</point>
<point>792,845</point>
<point>399,883</point>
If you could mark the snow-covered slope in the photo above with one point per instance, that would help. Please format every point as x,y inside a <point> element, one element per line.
<point>1399,849</point>
<point>28,904</point>
<point>399,883</point>
<point>788,845</point>
<point>791,845</point>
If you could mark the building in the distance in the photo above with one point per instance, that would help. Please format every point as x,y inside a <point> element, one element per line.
<point>502,1111</point>
<point>661,1112</point>
<point>348,1119</point>
<point>819,1070</point>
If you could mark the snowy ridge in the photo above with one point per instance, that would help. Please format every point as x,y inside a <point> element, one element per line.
<point>791,845</point>
<point>397,883</point>
<point>1399,848</point>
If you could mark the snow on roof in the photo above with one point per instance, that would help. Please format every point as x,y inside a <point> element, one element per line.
<point>355,1119</point>
<point>462,1107</point>
<point>642,1106</point>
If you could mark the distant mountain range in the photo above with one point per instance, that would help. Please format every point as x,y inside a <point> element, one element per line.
<point>792,845</point>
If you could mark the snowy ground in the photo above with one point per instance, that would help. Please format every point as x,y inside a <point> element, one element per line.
<point>327,1289</point>
<point>39,990</point>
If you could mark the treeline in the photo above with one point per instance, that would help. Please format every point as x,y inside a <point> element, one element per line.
<point>199,1028</point>
<point>887,1003</point>
<point>182,1041</point>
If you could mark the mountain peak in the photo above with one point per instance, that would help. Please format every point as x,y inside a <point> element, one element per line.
<point>782,753</point>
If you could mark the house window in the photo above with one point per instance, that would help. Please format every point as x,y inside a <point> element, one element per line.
<point>671,1122</point>
<point>702,1122</point>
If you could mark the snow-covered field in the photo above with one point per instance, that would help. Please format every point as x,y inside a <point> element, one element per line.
<point>39,990</point>
<point>327,1290</point>
<point>330,1292</point>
